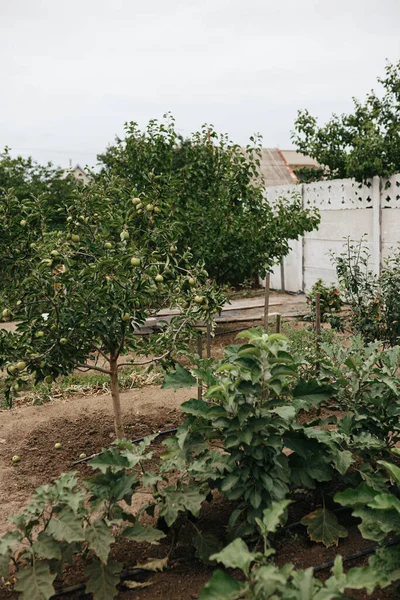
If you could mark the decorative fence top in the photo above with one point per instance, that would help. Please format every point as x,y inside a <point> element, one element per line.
<point>339,194</point>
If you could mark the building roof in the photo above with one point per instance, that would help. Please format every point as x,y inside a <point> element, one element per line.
<point>296,159</point>
<point>275,169</point>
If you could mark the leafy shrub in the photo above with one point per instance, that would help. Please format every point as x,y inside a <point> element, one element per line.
<point>249,413</point>
<point>331,303</point>
<point>373,300</point>
<point>367,388</point>
<point>68,518</point>
<point>380,519</point>
<point>264,581</point>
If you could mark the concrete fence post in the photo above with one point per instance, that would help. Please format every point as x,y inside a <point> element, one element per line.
<point>302,243</point>
<point>376,224</point>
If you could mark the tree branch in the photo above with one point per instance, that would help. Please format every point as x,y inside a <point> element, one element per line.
<point>83,366</point>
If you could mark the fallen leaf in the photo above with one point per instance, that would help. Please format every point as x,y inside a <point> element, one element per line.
<point>132,585</point>
<point>154,564</point>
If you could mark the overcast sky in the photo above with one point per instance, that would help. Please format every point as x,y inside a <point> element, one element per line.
<point>73,71</point>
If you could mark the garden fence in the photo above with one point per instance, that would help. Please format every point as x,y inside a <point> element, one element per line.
<point>347,208</point>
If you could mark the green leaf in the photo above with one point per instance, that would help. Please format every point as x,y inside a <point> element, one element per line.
<point>143,533</point>
<point>359,496</point>
<point>99,537</point>
<point>103,580</point>
<point>180,499</point>
<point>206,544</point>
<point>180,378</point>
<point>46,547</point>
<point>273,517</point>
<point>67,526</point>
<point>221,586</point>
<point>342,460</point>
<point>323,526</point>
<point>393,470</point>
<point>35,582</point>
<point>235,556</point>
<point>110,459</point>
<point>195,407</point>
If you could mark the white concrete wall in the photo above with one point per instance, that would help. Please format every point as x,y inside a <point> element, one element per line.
<point>347,208</point>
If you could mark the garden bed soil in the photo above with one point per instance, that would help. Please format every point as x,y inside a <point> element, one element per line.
<point>85,425</point>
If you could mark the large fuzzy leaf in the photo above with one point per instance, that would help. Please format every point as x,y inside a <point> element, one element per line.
<point>103,580</point>
<point>99,537</point>
<point>206,544</point>
<point>35,582</point>
<point>323,526</point>
<point>67,526</point>
<point>235,556</point>
<point>273,517</point>
<point>143,533</point>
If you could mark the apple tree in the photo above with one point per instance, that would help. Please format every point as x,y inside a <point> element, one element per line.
<point>91,285</point>
<point>218,195</point>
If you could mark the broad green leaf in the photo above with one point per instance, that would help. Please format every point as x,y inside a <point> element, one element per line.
<point>359,496</point>
<point>229,482</point>
<point>46,546</point>
<point>35,582</point>
<point>180,378</point>
<point>67,526</point>
<point>342,459</point>
<point>109,459</point>
<point>386,564</point>
<point>206,544</point>
<point>221,586</point>
<point>323,526</point>
<point>143,533</point>
<point>393,470</point>
<point>99,537</point>
<point>235,556</point>
<point>305,471</point>
<point>103,579</point>
<point>150,478</point>
<point>180,499</point>
<point>273,517</point>
<point>195,407</point>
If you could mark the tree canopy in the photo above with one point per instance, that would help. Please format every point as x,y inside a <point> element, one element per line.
<point>361,144</point>
<point>217,196</point>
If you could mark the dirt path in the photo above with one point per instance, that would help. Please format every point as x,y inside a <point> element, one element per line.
<point>80,424</point>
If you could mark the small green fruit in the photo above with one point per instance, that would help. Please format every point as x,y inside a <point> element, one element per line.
<point>47,262</point>
<point>135,261</point>
<point>124,235</point>
<point>136,201</point>
<point>75,237</point>
<point>21,365</point>
<point>139,212</point>
<point>82,455</point>
<point>16,387</point>
<point>32,246</point>
<point>150,207</point>
<point>12,369</point>
<point>54,253</point>
<point>125,317</point>
<point>159,278</point>
<point>173,249</point>
<point>63,341</point>
<point>57,446</point>
<point>69,219</point>
<point>199,299</point>
<point>48,379</point>
<point>139,206</point>
<point>192,281</point>
<point>157,209</point>
<point>81,218</point>
<point>15,459</point>
<point>22,223</point>
<point>108,245</point>
<point>6,313</point>
<point>39,334</point>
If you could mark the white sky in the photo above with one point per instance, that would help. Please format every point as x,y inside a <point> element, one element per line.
<point>73,71</point>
